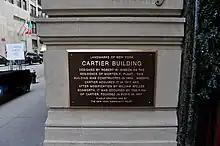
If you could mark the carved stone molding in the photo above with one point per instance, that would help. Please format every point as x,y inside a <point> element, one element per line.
<point>112,40</point>
<point>69,8</point>
<point>110,30</point>
<point>159,2</point>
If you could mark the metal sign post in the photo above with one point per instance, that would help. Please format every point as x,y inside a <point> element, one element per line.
<point>10,65</point>
<point>19,65</point>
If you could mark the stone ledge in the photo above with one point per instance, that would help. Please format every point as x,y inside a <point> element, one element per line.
<point>110,134</point>
<point>159,41</point>
<point>113,40</point>
<point>113,12</point>
<point>100,118</point>
<point>109,143</point>
<point>112,19</point>
<point>134,47</point>
<point>112,27</point>
<point>51,41</point>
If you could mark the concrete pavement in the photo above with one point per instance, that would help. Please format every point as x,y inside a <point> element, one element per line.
<point>22,119</point>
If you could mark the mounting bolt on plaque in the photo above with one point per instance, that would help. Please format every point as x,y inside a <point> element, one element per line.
<point>159,2</point>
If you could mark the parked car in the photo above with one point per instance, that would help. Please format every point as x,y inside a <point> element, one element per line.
<point>3,60</point>
<point>14,83</point>
<point>31,58</point>
<point>41,54</point>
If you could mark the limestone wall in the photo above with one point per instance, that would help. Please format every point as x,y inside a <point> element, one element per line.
<point>92,26</point>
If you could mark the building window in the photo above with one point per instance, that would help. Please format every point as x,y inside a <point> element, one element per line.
<point>39,2</point>
<point>39,12</point>
<point>33,10</point>
<point>34,43</point>
<point>34,28</point>
<point>11,1</point>
<point>19,3</point>
<point>24,4</point>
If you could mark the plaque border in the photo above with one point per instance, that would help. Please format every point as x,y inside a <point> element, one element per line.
<point>115,50</point>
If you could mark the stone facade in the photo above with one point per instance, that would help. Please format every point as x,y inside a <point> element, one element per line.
<point>135,25</point>
<point>11,20</point>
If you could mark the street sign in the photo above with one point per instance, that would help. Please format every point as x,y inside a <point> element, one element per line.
<point>15,51</point>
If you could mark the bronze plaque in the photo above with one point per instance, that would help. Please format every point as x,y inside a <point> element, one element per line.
<point>112,79</point>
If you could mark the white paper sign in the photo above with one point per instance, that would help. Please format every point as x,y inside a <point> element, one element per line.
<point>15,51</point>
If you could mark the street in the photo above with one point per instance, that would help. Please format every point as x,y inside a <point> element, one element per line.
<point>22,119</point>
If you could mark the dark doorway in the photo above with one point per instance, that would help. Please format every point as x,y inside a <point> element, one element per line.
<point>208,131</point>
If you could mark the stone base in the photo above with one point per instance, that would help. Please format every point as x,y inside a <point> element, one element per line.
<point>110,128</point>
